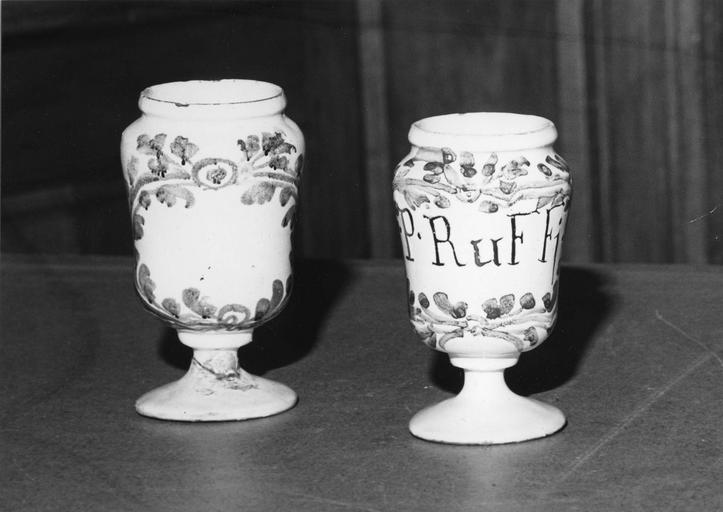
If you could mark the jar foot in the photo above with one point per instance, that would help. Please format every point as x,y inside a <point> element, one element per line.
<point>486,412</point>
<point>215,388</point>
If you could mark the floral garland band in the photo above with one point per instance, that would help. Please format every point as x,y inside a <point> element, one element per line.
<point>267,162</point>
<point>521,322</point>
<point>450,176</point>
<point>196,312</point>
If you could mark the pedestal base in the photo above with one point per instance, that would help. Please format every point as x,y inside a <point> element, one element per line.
<point>216,389</point>
<point>486,412</point>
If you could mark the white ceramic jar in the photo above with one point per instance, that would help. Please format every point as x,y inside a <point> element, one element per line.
<point>482,200</point>
<point>213,169</point>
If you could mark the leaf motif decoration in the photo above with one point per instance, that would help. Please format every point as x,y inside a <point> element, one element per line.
<point>453,177</point>
<point>289,217</point>
<point>550,301</point>
<point>278,162</point>
<point>159,165</point>
<point>507,302</point>
<point>132,170</point>
<point>266,308</point>
<point>199,305</point>
<point>168,194</point>
<point>488,169</point>
<point>286,194</point>
<point>508,187</point>
<point>190,296</point>
<point>149,146</point>
<point>466,162</point>
<point>442,201</point>
<point>531,336</point>
<point>434,167</point>
<point>143,144</point>
<point>492,309</point>
<point>234,314</point>
<point>448,156</point>
<point>486,206</point>
<point>442,301</point>
<point>146,284</point>
<point>544,169</point>
<point>144,199</point>
<point>258,193</point>
<point>284,147</point>
<point>527,301</point>
<point>204,309</point>
<point>277,293</point>
<point>423,300</point>
<point>172,306</point>
<point>558,162</point>
<point>138,222</point>
<point>515,168</point>
<point>183,149</point>
<point>466,159</point>
<point>158,141</point>
<point>275,144</point>
<point>262,308</point>
<point>457,310</point>
<point>251,146</point>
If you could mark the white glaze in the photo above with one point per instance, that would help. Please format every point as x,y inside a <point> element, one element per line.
<point>482,202</point>
<point>212,169</point>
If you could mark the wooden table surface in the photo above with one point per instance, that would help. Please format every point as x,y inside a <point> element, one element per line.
<point>634,363</point>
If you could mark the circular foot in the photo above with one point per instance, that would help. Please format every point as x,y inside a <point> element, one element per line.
<point>180,402</point>
<point>486,412</point>
<point>207,393</point>
<point>459,421</point>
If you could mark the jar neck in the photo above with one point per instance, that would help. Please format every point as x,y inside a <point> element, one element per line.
<point>213,100</point>
<point>483,131</point>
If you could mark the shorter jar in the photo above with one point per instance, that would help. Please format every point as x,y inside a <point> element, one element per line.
<point>482,201</point>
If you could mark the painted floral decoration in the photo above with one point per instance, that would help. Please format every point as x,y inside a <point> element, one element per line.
<point>523,322</point>
<point>196,311</point>
<point>169,171</point>
<point>491,184</point>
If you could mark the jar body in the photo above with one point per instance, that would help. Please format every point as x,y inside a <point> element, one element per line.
<point>212,191</point>
<point>482,216</point>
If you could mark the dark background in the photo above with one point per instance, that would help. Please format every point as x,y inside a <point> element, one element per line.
<point>634,87</point>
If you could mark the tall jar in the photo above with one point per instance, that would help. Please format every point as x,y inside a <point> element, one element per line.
<point>482,201</point>
<point>212,170</point>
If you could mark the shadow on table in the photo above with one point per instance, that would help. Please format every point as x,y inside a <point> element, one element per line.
<point>583,307</point>
<point>289,336</point>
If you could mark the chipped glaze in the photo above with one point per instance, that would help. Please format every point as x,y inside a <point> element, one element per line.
<point>482,201</point>
<point>212,170</point>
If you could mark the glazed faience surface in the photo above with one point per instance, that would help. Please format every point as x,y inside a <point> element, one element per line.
<point>212,208</point>
<point>482,202</point>
<point>481,232</point>
<point>212,170</point>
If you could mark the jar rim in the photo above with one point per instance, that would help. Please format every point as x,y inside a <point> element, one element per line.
<point>226,98</point>
<point>491,131</point>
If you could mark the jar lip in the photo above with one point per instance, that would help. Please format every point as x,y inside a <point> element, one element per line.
<point>226,98</point>
<point>491,131</point>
